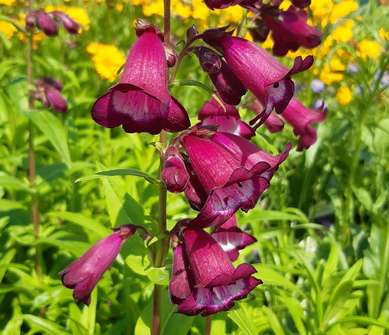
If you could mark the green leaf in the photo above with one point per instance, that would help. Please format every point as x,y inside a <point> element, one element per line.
<point>296,312</point>
<point>241,316</point>
<point>119,172</point>
<point>273,320</point>
<point>46,326</point>
<point>53,129</point>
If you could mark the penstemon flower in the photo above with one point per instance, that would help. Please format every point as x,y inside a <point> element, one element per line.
<point>141,101</point>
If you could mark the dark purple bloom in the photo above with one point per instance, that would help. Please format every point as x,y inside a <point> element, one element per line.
<point>204,281</point>
<point>71,26</point>
<point>301,3</point>
<point>174,173</point>
<point>226,83</point>
<point>258,71</point>
<point>141,102</point>
<point>231,238</point>
<point>219,4</point>
<point>48,91</point>
<point>46,23</point>
<point>225,118</point>
<point>83,274</point>
<point>301,119</point>
<point>290,31</point>
<point>227,173</point>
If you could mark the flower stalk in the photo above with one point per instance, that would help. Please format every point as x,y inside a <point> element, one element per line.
<point>31,153</point>
<point>162,245</point>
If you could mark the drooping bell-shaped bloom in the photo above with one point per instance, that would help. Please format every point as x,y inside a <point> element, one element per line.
<point>273,123</point>
<point>225,118</point>
<point>71,26</point>
<point>301,3</point>
<point>231,238</point>
<point>290,31</point>
<point>226,83</point>
<point>141,102</point>
<point>204,281</point>
<point>226,173</point>
<point>83,274</point>
<point>301,119</point>
<point>260,72</point>
<point>174,173</point>
<point>48,91</point>
<point>43,21</point>
<point>220,4</point>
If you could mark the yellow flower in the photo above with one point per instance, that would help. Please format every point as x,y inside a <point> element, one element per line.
<point>342,9</point>
<point>332,72</point>
<point>153,8</point>
<point>107,59</point>
<point>7,29</point>
<point>344,95</point>
<point>321,9</point>
<point>369,49</point>
<point>7,2</point>
<point>230,15</point>
<point>344,32</point>
<point>182,10</point>
<point>78,14</point>
<point>119,7</point>
<point>384,34</point>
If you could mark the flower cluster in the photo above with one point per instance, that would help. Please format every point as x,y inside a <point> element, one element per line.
<point>214,163</point>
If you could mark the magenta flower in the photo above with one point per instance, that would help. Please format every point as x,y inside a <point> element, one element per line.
<point>231,238</point>
<point>48,91</point>
<point>227,173</point>
<point>43,21</point>
<point>204,281</point>
<point>226,83</point>
<point>219,4</point>
<point>83,274</point>
<point>71,26</point>
<point>174,173</point>
<point>225,118</point>
<point>290,31</point>
<point>301,119</point>
<point>273,123</point>
<point>141,102</point>
<point>301,3</point>
<point>261,73</point>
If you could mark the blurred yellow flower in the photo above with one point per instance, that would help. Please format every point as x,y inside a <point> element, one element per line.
<point>369,49</point>
<point>107,59</point>
<point>78,14</point>
<point>344,32</point>
<point>384,34</point>
<point>332,72</point>
<point>342,9</point>
<point>7,29</point>
<point>153,8</point>
<point>119,7</point>
<point>344,95</point>
<point>7,2</point>
<point>321,9</point>
<point>229,15</point>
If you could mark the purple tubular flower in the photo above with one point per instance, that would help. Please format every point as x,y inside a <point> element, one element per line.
<point>273,123</point>
<point>301,3</point>
<point>301,119</point>
<point>291,31</point>
<point>204,281</point>
<point>46,23</point>
<point>226,83</point>
<point>141,102</point>
<point>231,238</point>
<point>71,26</point>
<point>225,118</point>
<point>174,174</point>
<point>83,274</point>
<point>258,71</point>
<point>227,173</point>
<point>48,91</point>
<point>220,4</point>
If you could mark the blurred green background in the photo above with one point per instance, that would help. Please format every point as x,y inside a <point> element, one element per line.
<point>322,227</point>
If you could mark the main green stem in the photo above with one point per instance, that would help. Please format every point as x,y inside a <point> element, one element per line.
<point>35,215</point>
<point>162,246</point>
